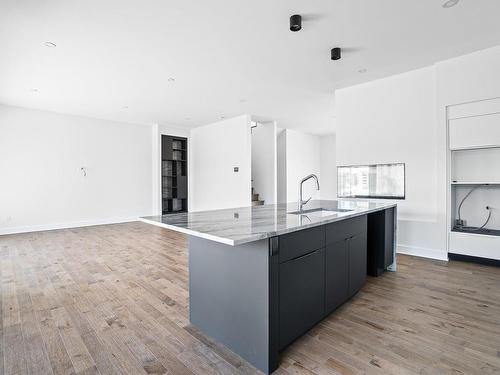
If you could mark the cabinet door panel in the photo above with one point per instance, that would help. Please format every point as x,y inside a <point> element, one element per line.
<point>337,275</point>
<point>357,263</point>
<point>302,295</point>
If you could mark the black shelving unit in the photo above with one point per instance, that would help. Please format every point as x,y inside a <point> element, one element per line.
<point>174,184</point>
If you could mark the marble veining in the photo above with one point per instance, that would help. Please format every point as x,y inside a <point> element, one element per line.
<point>236,226</point>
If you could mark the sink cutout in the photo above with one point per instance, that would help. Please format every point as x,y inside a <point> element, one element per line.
<point>320,212</point>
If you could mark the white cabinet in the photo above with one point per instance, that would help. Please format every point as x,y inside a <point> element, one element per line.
<point>476,166</point>
<point>476,245</point>
<point>473,168</point>
<point>475,132</point>
<point>478,108</point>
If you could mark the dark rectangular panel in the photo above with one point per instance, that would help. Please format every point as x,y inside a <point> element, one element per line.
<point>301,295</point>
<point>166,147</point>
<point>376,243</point>
<point>389,237</point>
<point>380,241</point>
<point>357,263</point>
<point>298,243</point>
<point>181,187</point>
<point>337,275</point>
<point>344,229</point>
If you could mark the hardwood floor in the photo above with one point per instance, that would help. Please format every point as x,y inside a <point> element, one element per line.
<point>114,300</point>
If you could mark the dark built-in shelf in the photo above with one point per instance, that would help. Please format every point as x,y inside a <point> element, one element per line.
<point>472,230</point>
<point>174,174</point>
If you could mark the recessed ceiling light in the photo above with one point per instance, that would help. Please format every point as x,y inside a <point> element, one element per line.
<point>243,100</point>
<point>34,90</point>
<point>125,107</point>
<point>171,79</point>
<point>362,70</point>
<point>450,3</point>
<point>50,44</point>
<point>222,117</point>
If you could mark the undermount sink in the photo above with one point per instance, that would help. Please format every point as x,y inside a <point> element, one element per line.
<point>320,212</point>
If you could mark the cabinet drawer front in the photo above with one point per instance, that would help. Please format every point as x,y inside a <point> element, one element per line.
<point>296,244</point>
<point>344,229</point>
<point>301,295</point>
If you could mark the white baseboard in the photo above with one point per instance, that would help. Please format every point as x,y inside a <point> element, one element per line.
<point>75,224</point>
<point>422,252</point>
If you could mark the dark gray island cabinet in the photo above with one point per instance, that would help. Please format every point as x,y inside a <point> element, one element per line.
<point>258,297</point>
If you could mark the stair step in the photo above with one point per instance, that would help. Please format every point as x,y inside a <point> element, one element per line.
<point>257,203</point>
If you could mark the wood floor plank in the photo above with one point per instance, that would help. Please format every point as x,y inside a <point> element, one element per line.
<point>13,340</point>
<point>114,299</point>
<point>34,347</point>
<point>3,254</point>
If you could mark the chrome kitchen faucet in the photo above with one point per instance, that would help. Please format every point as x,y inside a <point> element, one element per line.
<point>301,201</point>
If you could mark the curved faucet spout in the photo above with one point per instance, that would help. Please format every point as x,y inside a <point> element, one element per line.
<point>302,202</point>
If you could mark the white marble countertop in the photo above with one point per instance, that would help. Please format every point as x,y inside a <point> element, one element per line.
<point>235,226</point>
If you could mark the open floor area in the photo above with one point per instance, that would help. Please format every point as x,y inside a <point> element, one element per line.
<point>113,299</point>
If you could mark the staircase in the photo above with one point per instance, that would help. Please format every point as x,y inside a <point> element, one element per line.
<point>255,199</point>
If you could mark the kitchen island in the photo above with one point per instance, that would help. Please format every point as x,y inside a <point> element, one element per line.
<point>260,277</point>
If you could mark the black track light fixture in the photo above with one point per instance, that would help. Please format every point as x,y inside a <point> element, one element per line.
<point>295,22</point>
<point>336,53</point>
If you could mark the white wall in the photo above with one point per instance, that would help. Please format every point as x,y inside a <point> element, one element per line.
<point>42,186</point>
<point>303,157</point>
<point>393,120</point>
<point>264,164</point>
<point>463,79</point>
<point>281,165</point>
<point>403,118</point>
<point>328,168</point>
<point>215,150</point>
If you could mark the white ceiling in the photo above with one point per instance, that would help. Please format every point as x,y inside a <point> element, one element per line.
<point>227,57</point>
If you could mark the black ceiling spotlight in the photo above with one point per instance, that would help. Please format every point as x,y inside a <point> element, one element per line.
<point>295,22</point>
<point>336,53</point>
